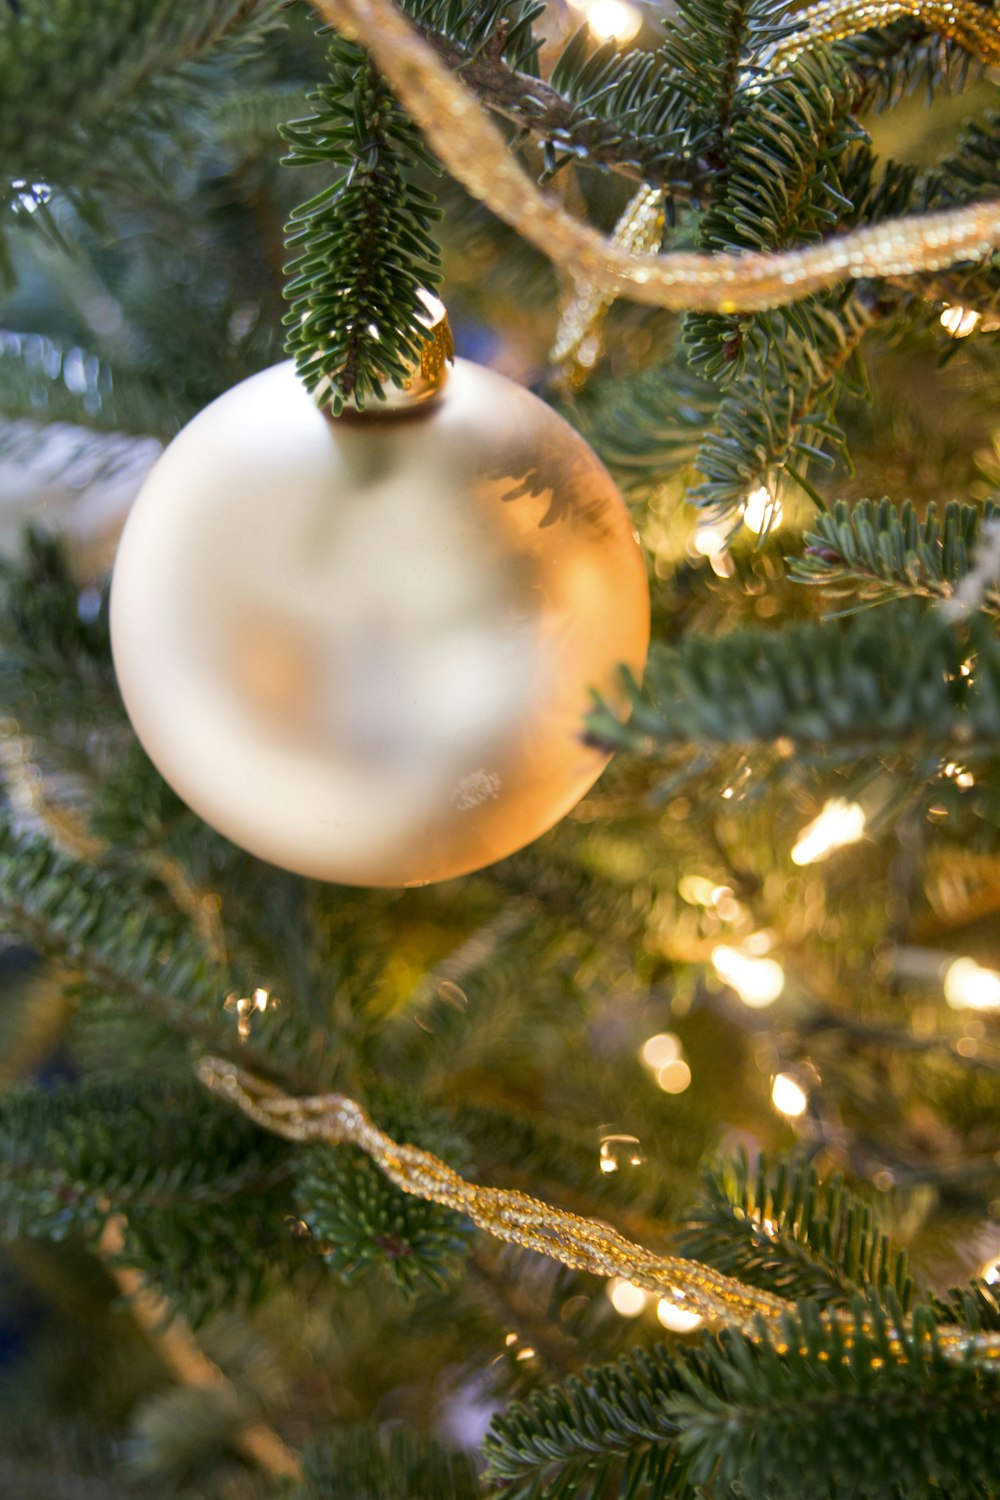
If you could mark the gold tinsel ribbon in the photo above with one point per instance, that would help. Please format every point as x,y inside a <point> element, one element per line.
<point>472,149</point>
<point>582,1244</point>
<point>970,26</point>
<point>577,342</point>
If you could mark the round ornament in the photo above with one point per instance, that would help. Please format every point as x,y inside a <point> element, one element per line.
<point>362,647</point>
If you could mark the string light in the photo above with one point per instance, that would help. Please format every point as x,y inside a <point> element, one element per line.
<point>967,986</point>
<point>656,1051</point>
<point>627,1300</point>
<point>959,321</point>
<point>674,1077</point>
<point>678,1319</point>
<point>613,18</point>
<point>757,981</point>
<point>761,511</point>
<point>788,1096</point>
<point>839,823</point>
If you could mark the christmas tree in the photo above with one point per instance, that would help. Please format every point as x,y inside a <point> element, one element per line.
<point>658,1157</point>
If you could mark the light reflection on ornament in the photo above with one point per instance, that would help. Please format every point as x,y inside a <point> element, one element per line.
<point>838,823</point>
<point>678,1319</point>
<point>618,1149</point>
<point>967,986</point>
<point>788,1096</point>
<point>757,981</point>
<point>762,510</point>
<point>627,1300</point>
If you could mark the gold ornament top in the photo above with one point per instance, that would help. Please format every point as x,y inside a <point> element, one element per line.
<point>430,370</point>
<point>582,1244</point>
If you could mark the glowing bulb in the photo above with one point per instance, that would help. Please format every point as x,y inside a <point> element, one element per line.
<point>613,18</point>
<point>673,1077</point>
<point>757,981</point>
<point>990,1273</point>
<point>708,540</point>
<point>959,321</point>
<point>677,1319</point>
<point>696,890</point>
<point>969,987</point>
<point>626,1299</point>
<point>659,1050</point>
<point>761,511</point>
<point>838,823</point>
<point>788,1096</point>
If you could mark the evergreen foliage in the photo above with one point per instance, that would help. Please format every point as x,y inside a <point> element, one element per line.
<point>894,679</point>
<point>784,1230</point>
<point>503,1021</point>
<point>364,241</point>
<point>359,1220</point>
<point>365,1464</point>
<point>876,552</point>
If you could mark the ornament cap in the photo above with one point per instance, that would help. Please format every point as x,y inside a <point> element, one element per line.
<point>429,369</point>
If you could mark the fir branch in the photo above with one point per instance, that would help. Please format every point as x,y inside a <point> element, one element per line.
<point>104,71</point>
<point>73,1153</point>
<point>45,381</point>
<point>827,1411</point>
<point>86,918</point>
<point>610,1428</point>
<point>783,1229</point>
<point>885,551</point>
<point>856,686</point>
<point>370,1463</point>
<point>360,1221</point>
<point>367,254</point>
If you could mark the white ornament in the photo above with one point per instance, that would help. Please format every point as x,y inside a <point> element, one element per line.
<point>363,647</point>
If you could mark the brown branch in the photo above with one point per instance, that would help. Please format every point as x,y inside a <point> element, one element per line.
<point>536,107</point>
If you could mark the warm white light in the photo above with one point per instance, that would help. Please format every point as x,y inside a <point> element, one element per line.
<point>678,1319</point>
<point>990,1273</point>
<point>656,1051</point>
<point>757,981</point>
<point>613,18</point>
<point>708,540</point>
<point>969,987</point>
<point>788,1096</point>
<point>761,511</point>
<point>627,1300</point>
<point>696,890</point>
<point>959,321</point>
<point>526,1353</point>
<point>839,822</point>
<point>673,1077</point>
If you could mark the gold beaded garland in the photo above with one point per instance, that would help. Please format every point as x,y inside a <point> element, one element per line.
<point>582,1244</point>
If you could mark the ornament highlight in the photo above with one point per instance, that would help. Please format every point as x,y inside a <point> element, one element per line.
<point>363,647</point>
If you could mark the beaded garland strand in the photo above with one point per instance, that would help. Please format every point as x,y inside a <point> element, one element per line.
<point>582,1244</point>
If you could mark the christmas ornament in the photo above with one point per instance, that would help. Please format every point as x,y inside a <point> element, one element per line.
<point>363,647</point>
